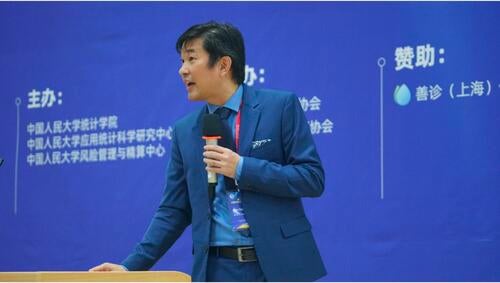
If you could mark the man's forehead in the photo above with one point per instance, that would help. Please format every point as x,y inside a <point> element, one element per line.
<point>192,46</point>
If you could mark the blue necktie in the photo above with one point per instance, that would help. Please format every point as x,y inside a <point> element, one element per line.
<point>227,141</point>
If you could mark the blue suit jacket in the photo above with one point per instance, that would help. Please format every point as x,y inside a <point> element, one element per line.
<point>276,174</point>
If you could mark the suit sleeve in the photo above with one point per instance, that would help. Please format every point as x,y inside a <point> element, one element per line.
<point>170,220</point>
<point>302,174</point>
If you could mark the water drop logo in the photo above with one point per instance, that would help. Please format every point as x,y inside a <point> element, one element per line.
<point>402,95</point>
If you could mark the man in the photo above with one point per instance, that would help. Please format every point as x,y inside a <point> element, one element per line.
<point>255,229</point>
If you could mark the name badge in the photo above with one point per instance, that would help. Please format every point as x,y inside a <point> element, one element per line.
<point>237,214</point>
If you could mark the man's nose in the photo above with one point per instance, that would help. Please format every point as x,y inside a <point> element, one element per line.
<point>183,71</point>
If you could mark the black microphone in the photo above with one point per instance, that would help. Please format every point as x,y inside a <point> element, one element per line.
<point>212,131</point>
<point>1,161</point>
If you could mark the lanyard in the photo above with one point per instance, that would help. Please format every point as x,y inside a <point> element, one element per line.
<point>237,129</point>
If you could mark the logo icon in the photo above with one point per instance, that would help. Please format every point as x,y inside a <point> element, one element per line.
<point>402,95</point>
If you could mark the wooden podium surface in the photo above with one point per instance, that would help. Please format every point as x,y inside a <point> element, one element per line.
<point>133,276</point>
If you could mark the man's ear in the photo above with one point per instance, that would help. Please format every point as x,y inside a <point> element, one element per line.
<point>225,64</point>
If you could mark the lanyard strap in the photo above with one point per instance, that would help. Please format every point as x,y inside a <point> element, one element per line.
<point>237,129</point>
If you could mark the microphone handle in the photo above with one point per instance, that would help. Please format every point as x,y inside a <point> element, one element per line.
<point>212,177</point>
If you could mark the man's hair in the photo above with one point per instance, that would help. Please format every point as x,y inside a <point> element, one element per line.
<point>218,40</point>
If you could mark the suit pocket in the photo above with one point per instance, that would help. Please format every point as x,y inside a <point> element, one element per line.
<point>295,227</point>
<point>269,152</point>
<point>267,147</point>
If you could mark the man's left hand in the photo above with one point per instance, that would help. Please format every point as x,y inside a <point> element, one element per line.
<point>220,160</point>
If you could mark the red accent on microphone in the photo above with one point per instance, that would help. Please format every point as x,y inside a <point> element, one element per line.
<point>211,137</point>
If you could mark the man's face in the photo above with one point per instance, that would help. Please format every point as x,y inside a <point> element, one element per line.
<point>201,81</point>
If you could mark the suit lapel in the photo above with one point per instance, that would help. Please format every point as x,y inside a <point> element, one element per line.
<point>250,115</point>
<point>198,144</point>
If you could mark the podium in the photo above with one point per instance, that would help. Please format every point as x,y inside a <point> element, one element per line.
<point>132,276</point>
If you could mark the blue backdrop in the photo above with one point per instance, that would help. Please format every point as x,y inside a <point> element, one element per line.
<point>402,100</point>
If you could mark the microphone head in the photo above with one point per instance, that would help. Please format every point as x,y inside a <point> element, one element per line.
<point>212,126</point>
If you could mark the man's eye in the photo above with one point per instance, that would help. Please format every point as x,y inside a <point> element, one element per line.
<point>191,58</point>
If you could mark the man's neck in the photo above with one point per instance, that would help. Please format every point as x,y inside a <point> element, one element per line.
<point>223,95</point>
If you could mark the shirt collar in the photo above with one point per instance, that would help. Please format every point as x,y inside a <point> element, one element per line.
<point>233,103</point>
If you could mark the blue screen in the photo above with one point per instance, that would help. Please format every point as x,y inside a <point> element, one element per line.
<point>402,100</point>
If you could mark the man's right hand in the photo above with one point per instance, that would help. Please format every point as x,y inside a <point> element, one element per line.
<point>108,267</point>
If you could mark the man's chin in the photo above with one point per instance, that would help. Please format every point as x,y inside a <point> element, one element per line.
<point>194,97</point>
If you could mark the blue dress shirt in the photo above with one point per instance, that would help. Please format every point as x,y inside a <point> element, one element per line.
<point>222,233</point>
